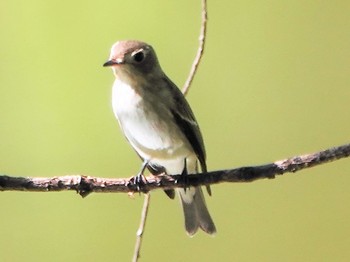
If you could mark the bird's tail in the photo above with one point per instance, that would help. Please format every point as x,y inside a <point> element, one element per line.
<point>195,211</point>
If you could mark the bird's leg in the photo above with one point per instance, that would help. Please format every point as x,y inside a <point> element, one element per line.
<point>184,174</point>
<point>139,179</point>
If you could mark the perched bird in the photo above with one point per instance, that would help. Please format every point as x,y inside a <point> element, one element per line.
<point>159,124</point>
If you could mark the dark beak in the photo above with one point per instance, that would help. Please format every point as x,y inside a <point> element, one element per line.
<point>110,63</point>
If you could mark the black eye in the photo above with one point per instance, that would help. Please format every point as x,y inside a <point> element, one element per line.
<point>139,57</point>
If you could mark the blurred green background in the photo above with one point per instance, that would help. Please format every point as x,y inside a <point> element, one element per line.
<point>274,82</point>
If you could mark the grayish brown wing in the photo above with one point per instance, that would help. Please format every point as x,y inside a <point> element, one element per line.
<point>186,121</point>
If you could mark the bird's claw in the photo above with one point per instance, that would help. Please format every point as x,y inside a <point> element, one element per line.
<point>139,181</point>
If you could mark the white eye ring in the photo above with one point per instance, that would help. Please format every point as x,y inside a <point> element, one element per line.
<point>138,56</point>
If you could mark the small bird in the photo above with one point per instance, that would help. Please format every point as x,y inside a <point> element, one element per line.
<point>159,124</point>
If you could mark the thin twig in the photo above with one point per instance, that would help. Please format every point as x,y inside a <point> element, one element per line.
<point>87,184</point>
<point>200,51</point>
<point>184,90</point>
<point>141,230</point>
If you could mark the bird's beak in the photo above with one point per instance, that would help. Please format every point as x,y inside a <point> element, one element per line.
<point>113,62</point>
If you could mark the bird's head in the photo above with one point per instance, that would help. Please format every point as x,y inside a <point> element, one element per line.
<point>133,59</point>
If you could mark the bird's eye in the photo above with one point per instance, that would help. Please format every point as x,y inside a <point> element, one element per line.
<point>139,57</point>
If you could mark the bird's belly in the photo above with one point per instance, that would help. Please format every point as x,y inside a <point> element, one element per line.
<point>151,131</point>
<point>153,137</point>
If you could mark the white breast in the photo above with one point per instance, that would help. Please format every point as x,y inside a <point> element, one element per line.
<point>148,125</point>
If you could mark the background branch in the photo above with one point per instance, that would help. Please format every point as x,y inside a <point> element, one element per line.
<point>87,184</point>
<point>185,91</point>
<point>200,50</point>
<point>142,226</point>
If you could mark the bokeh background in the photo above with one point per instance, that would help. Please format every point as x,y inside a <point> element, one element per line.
<point>274,83</point>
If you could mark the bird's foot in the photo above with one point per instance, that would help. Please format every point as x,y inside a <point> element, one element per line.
<point>139,181</point>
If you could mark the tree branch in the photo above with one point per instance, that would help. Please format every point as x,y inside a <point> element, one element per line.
<point>200,50</point>
<point>141,230</point>
<point>184,90</point>
<point>87,184</point>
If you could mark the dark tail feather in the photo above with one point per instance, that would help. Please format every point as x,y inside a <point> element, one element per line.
<point>195,211</point>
